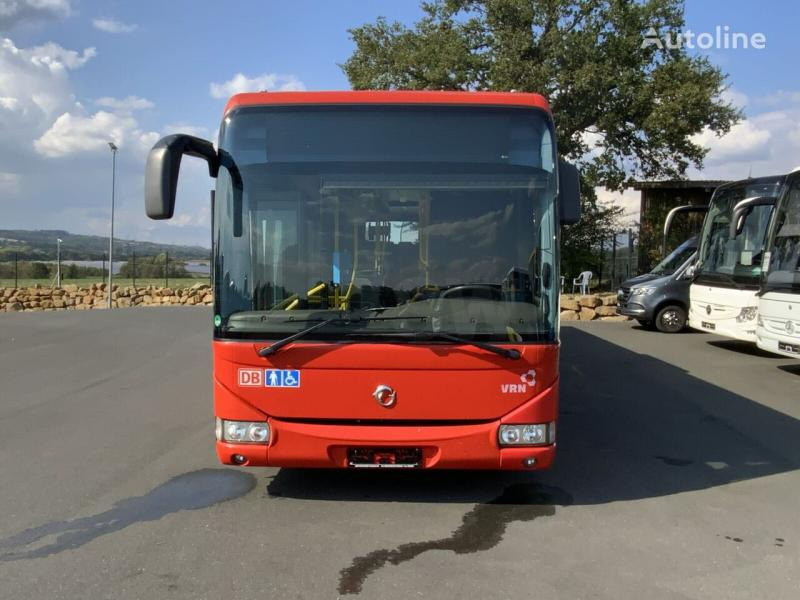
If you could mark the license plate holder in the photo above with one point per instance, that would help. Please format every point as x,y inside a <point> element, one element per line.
<point>384,458</point>
<point>707,325</point>
<point>787,347</point>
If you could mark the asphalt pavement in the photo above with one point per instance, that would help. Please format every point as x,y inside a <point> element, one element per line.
<point>676,477</point>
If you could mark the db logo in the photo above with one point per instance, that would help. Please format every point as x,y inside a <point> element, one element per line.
<point>251,377</point>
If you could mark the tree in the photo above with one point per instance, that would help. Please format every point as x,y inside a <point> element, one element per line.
<point>39,271</point>
<point>153,267</point>
<point>579,241</point>
<point>625,108</point>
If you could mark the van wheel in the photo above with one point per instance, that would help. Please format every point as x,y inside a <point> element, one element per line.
<point>671,319</point>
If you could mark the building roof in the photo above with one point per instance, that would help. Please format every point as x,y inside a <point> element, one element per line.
<point>677,184</point>
<point>389,97</point>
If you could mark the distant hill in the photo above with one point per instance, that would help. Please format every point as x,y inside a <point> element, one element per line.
<point>41,245</point>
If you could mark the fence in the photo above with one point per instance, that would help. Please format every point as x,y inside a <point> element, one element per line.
<point>615,260</point>
<point>134,270</point>
<point>619,260</point>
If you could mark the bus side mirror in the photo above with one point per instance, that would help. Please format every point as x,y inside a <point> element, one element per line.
<point>569,193</point>
<point>163,166</point>
<point>744,208</point>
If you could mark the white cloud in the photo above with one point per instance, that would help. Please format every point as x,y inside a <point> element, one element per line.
<point>50,56</point>
<point>13,12</point>
<point>74,133</point>
<point>629,200</point>
<point>187,128</point>
<point>766,143</point>
<point>8,102</point>
<point>128,104</point>
<point>202,218</point>
<point>746,140</point>
<point>110,25</point>
<point>56,165</point>
<point>9,182</point>
<point>779,98</point>
<point>38,110</point>
<point>34,90</point>
<point>268,81</point>
<point>735,97</point>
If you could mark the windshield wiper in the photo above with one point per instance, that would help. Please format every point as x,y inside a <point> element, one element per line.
<point>319,324</point>
<point>424,336</point>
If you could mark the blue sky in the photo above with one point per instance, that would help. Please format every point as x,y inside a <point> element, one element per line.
<point>75,72</point>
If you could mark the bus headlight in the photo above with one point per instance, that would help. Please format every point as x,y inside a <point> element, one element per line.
<point>537,434</point>
<point>242,432</point>
<point>748,313</point>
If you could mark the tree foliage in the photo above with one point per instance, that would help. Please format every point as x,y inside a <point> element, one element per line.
<point>624,109</point>
<point>579,241</point>
<point>153,267</point>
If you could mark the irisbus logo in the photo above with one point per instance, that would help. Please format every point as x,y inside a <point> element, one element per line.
<point>528,379</point>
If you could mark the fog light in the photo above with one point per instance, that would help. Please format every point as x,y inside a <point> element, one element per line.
<point>238,459</point>
<point>529,462</point>
<point>242,432</point>
<point>535,434</point>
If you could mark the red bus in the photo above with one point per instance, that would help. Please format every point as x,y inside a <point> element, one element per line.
<point>386,277</point>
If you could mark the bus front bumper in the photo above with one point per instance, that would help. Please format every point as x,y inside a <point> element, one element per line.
<point>729,328</point>
<point>778,344</point>
<point>314,445</point>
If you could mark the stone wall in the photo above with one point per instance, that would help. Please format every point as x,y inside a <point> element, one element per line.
<point>84,298</point>
<point>592,307</point>
<point>573,308</point>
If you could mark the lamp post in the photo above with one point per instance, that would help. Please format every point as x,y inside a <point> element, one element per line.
<point>58,259</point>
<point>111,238</point>
<point>132,264</point>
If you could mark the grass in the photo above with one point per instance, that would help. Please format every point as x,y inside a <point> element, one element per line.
<point>87,281</point>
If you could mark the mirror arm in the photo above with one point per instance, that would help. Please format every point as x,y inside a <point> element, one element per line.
<point>671,216</point>
<point>742,209</point>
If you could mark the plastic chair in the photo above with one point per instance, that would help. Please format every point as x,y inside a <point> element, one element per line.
<point>582,282</point>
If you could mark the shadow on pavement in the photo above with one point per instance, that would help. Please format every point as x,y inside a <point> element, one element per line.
<point>793,369</point>
<point>741,347</point>
<point>190,491</point>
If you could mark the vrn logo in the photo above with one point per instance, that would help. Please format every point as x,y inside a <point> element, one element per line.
<point>528,379</point>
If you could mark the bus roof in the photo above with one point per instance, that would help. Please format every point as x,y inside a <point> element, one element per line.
<point>388,97</point>
<point>751,181</point>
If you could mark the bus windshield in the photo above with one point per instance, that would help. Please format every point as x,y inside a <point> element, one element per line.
<point>390,219</point>
<point>784,245</point>
<point>735,263</point>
